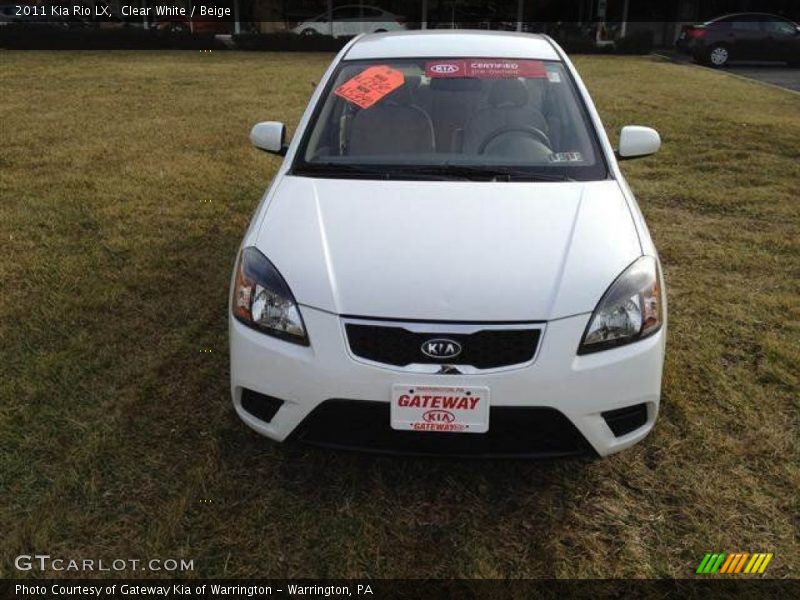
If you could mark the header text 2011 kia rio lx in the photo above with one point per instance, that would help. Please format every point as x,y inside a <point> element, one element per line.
<point>449,260</point>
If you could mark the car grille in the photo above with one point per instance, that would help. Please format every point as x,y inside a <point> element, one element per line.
<point>488,348</point>
<point>514,432</point>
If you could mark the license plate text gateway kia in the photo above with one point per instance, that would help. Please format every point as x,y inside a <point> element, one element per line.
<point>440,408</point>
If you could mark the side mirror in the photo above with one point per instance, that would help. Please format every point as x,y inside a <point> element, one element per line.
<point>636,141</point>
<point>269,136</point>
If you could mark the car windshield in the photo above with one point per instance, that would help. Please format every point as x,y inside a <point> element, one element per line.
<point>451,118</point>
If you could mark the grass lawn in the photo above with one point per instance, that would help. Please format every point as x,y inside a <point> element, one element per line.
<point>126,182</point>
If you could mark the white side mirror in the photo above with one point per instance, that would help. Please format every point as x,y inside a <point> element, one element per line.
<point>269,136</point>
<point>636,141</point>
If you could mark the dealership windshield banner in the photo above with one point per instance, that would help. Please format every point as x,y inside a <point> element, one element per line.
<point>485,68</point>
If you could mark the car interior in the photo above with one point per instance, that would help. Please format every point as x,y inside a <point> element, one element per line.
<point>518,120</point>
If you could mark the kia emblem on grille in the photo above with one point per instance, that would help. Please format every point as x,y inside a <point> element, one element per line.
<point>441,348</point>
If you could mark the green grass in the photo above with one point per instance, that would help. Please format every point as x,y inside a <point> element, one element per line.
<point>126,182</point>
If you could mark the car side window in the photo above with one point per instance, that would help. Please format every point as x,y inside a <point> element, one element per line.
<point>745,26</point>
<point>346,12</point>
<point>779,27</point>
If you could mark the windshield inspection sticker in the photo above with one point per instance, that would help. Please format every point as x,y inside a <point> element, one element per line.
<point>554,76</point>
<point>369,86</point>
<point>562,157</point>
<point>486,68</point>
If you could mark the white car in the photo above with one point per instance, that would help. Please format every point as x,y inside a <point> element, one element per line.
<point>449,260</point>
<point>351,20</point>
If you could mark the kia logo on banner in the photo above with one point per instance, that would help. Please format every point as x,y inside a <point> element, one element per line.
<point>441,348</point>
<point>445,69</point>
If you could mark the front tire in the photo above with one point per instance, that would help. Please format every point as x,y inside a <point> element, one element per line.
<point>718,56</point>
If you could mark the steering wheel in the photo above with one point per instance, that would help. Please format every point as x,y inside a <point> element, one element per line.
<point>532,132</point>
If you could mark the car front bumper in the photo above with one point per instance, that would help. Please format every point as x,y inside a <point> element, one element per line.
<point>580,388</point>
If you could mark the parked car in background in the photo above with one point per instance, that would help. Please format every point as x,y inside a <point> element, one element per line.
<point>743,36</point>
<point>352,20</point>
<point>178,24</point>
<point>8,14</point>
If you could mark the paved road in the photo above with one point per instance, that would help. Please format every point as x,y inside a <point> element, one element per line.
<point>774,73</point>
<point>785,77</point>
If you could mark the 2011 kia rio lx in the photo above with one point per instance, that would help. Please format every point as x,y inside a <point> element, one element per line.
<point>449,260</point>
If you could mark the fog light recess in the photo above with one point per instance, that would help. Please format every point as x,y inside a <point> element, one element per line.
<point>261,406</point>
<point>622,421</point>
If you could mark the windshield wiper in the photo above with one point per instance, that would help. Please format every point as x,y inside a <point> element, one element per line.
<point>335,169</point>
<point>491,173</point>
<point>427,172</point>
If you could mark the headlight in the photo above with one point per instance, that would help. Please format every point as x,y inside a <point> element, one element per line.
<point>630,310</point>
<point>262,300</point>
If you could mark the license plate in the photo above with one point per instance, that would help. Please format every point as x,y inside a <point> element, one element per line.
<point>435,408</point>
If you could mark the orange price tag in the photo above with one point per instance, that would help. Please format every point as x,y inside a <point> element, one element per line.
<point>369,86</point>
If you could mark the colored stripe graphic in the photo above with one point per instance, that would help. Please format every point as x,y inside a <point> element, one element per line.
<point>703,563</point>
<point>718,562</point>
<point>754,562</point>
<point>764,564</point>
<point>726,565</point>
<point>734,560</point>
<point>740,564</point>
<point>711,563</point>
<point>759,563</point>
<point>734,563</point>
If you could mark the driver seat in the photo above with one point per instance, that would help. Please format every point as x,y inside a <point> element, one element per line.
<point>507,107</point>
<point>395,125</point>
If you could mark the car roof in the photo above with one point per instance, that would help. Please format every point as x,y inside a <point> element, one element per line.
<point>748,15</point>
<point>358,6</point>
<point>452,43</point>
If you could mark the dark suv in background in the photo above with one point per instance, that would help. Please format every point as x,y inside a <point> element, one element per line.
<point>744,36</point>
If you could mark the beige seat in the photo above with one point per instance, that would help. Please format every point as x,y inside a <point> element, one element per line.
<point>395,125</point>
<point>508,107</point>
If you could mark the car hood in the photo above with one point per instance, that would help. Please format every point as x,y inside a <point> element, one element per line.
<point>463,251</point>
